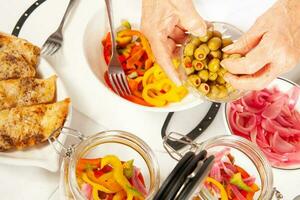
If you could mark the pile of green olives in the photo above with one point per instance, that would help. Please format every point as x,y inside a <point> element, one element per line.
<point>201,61</point>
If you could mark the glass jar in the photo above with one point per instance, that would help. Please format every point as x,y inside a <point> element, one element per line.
<point>228,31</point>
<point>246,155</point>
<point>124,145</point>
<point>249,157</point>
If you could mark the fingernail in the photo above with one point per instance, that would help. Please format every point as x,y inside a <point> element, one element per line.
<point>228,48</point>
<point>199,32</point>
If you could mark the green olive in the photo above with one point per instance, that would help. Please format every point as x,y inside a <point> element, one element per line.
<point>214,91</point>
<point>189,70</point>
<point>226,42</point>
<point>217,34</point>
<point>199,65</point>
<point>216,54</point>
<point>221,80</point>
<point>206,37</point>
<point>204,88</point>
<point>229,87</point>
<point>196,41</point>
<point>205,47</point>
<point>203,74</point>
<point>189,49</point>
<point>194,80</point>
<point>225,56</point>
<point>212,76</point>
<point>222,92</point>
<point>200,53</point>
<point>214,43</point>
<point>222,72</point>
<point>235,56</point>
<point>214,65</point>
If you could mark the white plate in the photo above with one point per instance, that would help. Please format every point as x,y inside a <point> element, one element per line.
<point>44,156</point>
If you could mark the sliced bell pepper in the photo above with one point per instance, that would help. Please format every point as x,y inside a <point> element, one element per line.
<point>137,100</point>
<point>242,171</point>
<point>135,58</point>
<point>119,196</point>
<point>83,163</point>
<point>219,186</point>
<point>106,180</point>
<point>237,180</point>
<point>250,195</point>
<point>144,42</point>
<point>119,176</point>
<point>96,186</point>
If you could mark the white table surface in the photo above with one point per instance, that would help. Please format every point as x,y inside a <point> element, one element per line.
<point>31,183</point>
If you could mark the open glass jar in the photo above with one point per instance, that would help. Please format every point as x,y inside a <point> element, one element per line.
<point>200,60</point>
<point>121,144</point>
<point>245,155</point>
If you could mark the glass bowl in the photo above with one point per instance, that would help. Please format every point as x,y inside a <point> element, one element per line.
<point>227,31</point>
<point>124,145</point>
<point>247,156</point>
<point>283,85</point>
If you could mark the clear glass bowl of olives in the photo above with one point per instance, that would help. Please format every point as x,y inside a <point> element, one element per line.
<point>201,57</point>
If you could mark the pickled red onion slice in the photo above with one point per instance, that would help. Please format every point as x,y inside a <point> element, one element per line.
<point>269,119</point>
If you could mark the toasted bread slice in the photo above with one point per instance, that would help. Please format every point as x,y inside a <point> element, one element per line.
<point>18,57</point>
<point>15,45</point>
<point>23,127</point>
<point>26,92</point>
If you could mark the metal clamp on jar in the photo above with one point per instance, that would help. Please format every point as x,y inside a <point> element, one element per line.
<point>189,178</point>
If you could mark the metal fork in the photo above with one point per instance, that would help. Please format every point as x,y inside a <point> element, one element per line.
<point>116,73</point>
<point>55,40</point>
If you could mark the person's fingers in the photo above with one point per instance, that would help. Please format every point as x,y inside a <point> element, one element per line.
<point>163,54</point>
<point>251,63</point>
<point>244,44</point>
<point>178,35</point>
<point>255,81</point>
<point>191,20</point>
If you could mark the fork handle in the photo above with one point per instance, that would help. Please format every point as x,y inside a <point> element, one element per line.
<point>61,25</point>
<point>111,24</point>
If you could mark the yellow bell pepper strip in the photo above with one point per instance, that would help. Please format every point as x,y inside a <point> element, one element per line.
<point>148,74</point>
<point>219,186</point>
<point>153,99</point>
<point>117,171</point>
<point>95,185</point>
<point>107,180</point>
<point>144,42</point>
<point>237,180</point>
<point>128,169</point>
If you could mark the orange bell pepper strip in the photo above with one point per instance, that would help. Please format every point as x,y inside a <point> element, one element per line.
<point>137,100</point>
<point>250,195</point>
<point>135,58</point>
<point>242,171</point>
<point>83,163</point>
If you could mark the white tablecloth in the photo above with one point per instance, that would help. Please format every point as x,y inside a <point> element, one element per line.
<point>31,183</point>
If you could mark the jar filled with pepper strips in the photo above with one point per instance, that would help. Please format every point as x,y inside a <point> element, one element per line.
<point>221,168</point>
<point>201,58</point>
<point>110,165</point>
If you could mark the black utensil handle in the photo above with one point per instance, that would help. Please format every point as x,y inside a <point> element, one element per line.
<point>197,131</point>
<point>25,16</point>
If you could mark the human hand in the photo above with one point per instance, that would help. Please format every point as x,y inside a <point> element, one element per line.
<point>271,47</point>
<point>164,23</point>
